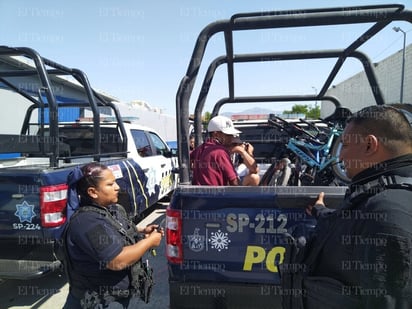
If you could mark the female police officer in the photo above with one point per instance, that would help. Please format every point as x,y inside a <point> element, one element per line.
<point>102,246</point>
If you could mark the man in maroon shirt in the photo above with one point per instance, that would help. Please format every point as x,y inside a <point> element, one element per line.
<point>211,161</point>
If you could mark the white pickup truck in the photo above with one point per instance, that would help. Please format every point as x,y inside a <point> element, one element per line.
<point>144,145</point>
<point>154,156</point>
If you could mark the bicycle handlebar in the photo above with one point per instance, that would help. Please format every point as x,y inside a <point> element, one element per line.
<point>290,128</point>
<point>310,124</point>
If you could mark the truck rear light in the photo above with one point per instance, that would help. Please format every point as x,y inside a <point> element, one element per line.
<point>53,201</point>
<point>174,247</point>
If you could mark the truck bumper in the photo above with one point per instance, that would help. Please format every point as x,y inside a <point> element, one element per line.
<point>27,258</point>
<point>26,269</point>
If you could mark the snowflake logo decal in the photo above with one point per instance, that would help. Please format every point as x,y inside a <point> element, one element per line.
<point>219,240</point>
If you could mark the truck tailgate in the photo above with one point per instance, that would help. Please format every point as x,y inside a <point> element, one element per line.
<point>26,245</point>
<point>233,238</point>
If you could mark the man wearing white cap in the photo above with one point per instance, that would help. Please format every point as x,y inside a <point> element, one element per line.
<point>211,161</point>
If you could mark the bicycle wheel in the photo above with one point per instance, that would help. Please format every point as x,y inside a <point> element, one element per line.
<point>338,168</point>
<point>268,175</point>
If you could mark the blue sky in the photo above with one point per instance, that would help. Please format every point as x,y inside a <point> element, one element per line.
<point>140,49</point>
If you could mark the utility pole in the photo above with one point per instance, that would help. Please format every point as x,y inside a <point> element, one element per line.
<point>397,29</point>
<point>316,94</point>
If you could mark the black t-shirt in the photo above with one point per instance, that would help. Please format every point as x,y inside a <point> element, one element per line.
<point>93,242</point>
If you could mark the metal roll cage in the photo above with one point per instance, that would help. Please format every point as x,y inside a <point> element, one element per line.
<point>379,15</point>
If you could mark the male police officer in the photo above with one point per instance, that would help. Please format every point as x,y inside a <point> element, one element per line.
<point>361,255</point>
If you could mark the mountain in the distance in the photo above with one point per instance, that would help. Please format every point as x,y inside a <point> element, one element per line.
<point>252,111</point>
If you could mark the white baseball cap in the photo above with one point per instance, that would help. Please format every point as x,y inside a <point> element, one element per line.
<point>222,124</point>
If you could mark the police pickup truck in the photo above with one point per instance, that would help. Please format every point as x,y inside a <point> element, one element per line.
<point>224,244</point>
<point>53,125</point>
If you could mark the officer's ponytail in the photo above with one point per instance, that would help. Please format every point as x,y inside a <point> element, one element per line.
<point>79,180</point>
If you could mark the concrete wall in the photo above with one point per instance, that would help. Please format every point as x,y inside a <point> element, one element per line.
<point>355,92</point>
<point>13,111</point>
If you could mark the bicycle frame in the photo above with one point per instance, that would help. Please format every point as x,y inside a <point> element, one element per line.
<point>321,151</point>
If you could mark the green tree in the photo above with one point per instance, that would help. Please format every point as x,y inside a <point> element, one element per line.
<point>298,109</point>
<point>309,112</point>
<point>313,113</point>
<point>206,117</point>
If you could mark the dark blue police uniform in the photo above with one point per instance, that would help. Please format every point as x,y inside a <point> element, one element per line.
<point>91,243</point>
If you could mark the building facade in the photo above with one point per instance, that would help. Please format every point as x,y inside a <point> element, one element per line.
<point>355,92</point>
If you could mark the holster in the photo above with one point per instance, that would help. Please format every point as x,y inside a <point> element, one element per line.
<point>142,280</point>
